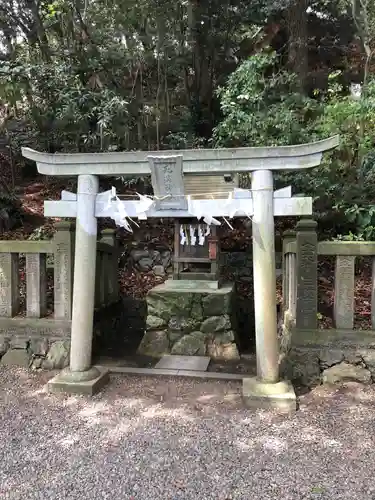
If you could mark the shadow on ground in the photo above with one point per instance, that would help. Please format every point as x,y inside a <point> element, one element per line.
<point>151,438</point>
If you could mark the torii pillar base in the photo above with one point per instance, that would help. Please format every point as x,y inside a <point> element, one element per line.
<point>86,383</point>
<point>261,395</point>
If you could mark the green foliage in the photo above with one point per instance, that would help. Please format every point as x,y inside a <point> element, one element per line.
<point>344,184</point>
<point>67,111</point>
<point>261,106</point>
<point>40,234</point>
<point>103,75</point>
<point>141,74</point>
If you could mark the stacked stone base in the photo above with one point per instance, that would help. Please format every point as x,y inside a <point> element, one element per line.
<point>34,353</point>
<point>309,366</point>
<point>190,322</point>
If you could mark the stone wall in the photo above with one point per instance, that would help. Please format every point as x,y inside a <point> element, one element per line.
<point>45,343</point>
<point>190,322</point>
<point>145,257</point>
<point>34,353</point>
<point>330,356</point>
<point>34,342</point>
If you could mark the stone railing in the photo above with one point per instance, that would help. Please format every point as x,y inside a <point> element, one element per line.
<point>300,284</point>
<point>41,323</point>
<point>309,354</point>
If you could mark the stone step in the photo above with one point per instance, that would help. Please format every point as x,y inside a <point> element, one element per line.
<point>191,363</point>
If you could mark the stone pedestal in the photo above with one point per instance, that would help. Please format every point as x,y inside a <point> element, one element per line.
<point>279,395</point>
<point>193,321</point>
<point>87,383</point>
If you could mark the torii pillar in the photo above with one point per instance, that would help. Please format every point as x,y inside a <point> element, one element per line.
<point>81,377</point>
<point>266,390</point>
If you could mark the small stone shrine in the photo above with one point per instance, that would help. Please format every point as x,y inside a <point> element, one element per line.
<point>189,314</point>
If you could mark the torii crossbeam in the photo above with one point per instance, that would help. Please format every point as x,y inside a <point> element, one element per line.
<point>284,205</point>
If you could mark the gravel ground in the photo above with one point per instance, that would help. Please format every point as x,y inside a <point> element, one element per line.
<point>176,439</point>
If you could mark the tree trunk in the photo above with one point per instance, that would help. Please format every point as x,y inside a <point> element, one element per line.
<point>203,54</point>
<point>298,40</point>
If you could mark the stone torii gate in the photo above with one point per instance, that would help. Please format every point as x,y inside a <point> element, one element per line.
<point>261,204</point>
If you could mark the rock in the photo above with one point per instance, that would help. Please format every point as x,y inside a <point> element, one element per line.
<point>145,264</point>
<point>38,346</point>
<point>226,352</point>
<point>156,257</point>
<point>184,325</point>
<point>170,303</point>
<point>58,355</point>
<point>346,373</point>
<point>215,304</point>
<point>301,366</point>
<point>196,308</point>
<point>216,324</point>
<point>225,337</point>
<point>368,357</point>
<point>330,358</point>
<point>189,345</point>
<point>4,345</point>
<point>158,270</point>
<point>37,363</point>
<point>138,254</point>
<point>353,358</point>
<point>175,336</point>
<point>154,323</point>
<point>16,357</point>
<point>154,343</point>
<point>230,352</point>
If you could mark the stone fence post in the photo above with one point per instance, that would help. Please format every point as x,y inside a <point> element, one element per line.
<point>344,292</point>
<point>63,269</point>
<point>9,284</point>
<point>36,285</point>
<point>109,268</point>
<point>307,274</point>
<point>289,274</point>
